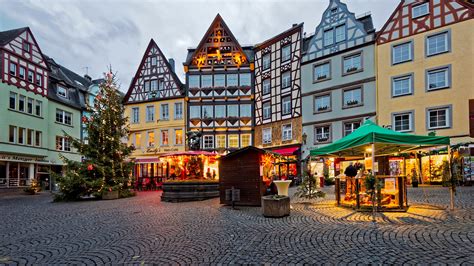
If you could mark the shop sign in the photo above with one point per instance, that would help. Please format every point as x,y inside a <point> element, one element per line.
<point>158,150</point>
<point>16,158</point>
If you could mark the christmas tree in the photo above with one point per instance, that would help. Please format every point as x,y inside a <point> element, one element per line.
<point>104,166</point>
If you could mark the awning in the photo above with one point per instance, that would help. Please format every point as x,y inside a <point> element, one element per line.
<point>179,153</point>
<point>286,151</point>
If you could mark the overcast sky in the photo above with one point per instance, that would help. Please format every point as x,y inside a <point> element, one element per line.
<point>96,33</point>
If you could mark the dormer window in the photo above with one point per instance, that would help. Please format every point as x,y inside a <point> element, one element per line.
<point>27,47</point>
<point>62,92</point>
<point>420,10</point>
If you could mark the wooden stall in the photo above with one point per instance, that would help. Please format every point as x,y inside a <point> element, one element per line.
<point>242,170</point>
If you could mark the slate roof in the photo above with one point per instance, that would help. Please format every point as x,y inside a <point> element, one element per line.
<point>9,35</point>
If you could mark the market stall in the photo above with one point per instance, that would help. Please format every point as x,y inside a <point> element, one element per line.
<point>379,182</point>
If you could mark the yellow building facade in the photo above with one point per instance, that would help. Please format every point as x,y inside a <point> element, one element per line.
<point>425,69</point>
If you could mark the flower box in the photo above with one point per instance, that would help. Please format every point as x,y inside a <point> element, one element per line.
<point>275,206</point>
<point>110,195</point>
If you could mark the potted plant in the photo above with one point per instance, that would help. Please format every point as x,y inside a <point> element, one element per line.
<point>275,206</point>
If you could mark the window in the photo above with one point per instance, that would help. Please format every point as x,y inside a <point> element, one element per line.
<point>135,115</point>
<point>245,79</point>
<point>207,112</point>
<point>154,61</point>
<point>420,10</point>
<point>164,137</point>
<point>63,117</point>
<point>12,134</point>
<point>178,136</point>
<point>38,108</point>
<point>403,122</point>
<point>437,44</point>
<point>232,80</point>
<point>286,79</point>
<point>439,118</point>
<point>151,139</point>
<point>322,72</point>
<point>438,78</point>
<point>334,11</point>
<point>21,135</point>
<point>62,91</point>
<point>402,53</point>
<point>161,84</point>
<point>328,37</point>
<point>245,140</point>
<point>322,134</point>
<point>31,74</point>
<point>150,113</point>
<point>29,106</point>
<point>138,140</point>
<point>194,81</point>
<point>219,80</point>
<point>208,142</point>
<point>178,111</point>
<point>194,112</point>
<point>165,115</point>
<point>38,136</point>
<point>286,53</point>
<point>220,141</point>
<point>220,111</point>
<point>267,136</point>
<point>26,47</point>
<point>153,85</point>
<point>21,103</point>
<point>266,87</point>
<point>22,72</point>
<point>29,137</point>
<point>286,132</point>
<point>352,63</point>
<point>349,127</point>
<point>233,141</point>
<point>245,110</point>
<point>12,69</point>
<point>12,104</point>
<point>232,110</point>
<point>39,80</point>
<point>352,97</point>
<point>322,103</point>
<point>266,62</point>
<point>266,110</point>
<point>62,144</point>
<point>340,33</point>
<point>402,85</point>
<point>206,81</point>
<point>146,86</point>
<point>286,105</point>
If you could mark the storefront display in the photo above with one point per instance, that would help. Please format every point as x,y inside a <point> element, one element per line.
<point>432,168</point>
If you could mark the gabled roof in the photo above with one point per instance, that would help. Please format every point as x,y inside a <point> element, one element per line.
<point>9,35</point>
<point>171,71</point>
<point>281,35</point>
<point>217,19</point>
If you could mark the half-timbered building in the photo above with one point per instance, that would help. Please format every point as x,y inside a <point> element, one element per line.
<point>424,55</point>
<point>220,90</point>
<point>278,95</point>
<point>156,109</point>
<point>338,76</point>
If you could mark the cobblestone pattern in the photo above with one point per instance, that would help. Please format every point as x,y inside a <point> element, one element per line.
<point>144,230</point>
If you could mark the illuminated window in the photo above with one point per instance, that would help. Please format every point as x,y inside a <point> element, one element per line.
<point>164,137</point>
<point>220,141</point>
<point>233,141</point>
<point>178,136</point>
<point>138,140</point>
<point>245,140</point>
<point>151,139</point>
<point>267,135</point>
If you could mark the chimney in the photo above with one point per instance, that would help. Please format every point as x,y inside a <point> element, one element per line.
<point>171,61</point>
<point>88,77</point>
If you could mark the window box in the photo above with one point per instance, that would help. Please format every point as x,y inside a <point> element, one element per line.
<point>321,77</point>
<point>350,103</point>
<point>323,108</point>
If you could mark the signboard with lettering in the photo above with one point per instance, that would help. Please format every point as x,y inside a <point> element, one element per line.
<point>22,159</point>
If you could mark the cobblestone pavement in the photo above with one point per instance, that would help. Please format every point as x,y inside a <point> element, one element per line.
<point>144,230</point>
